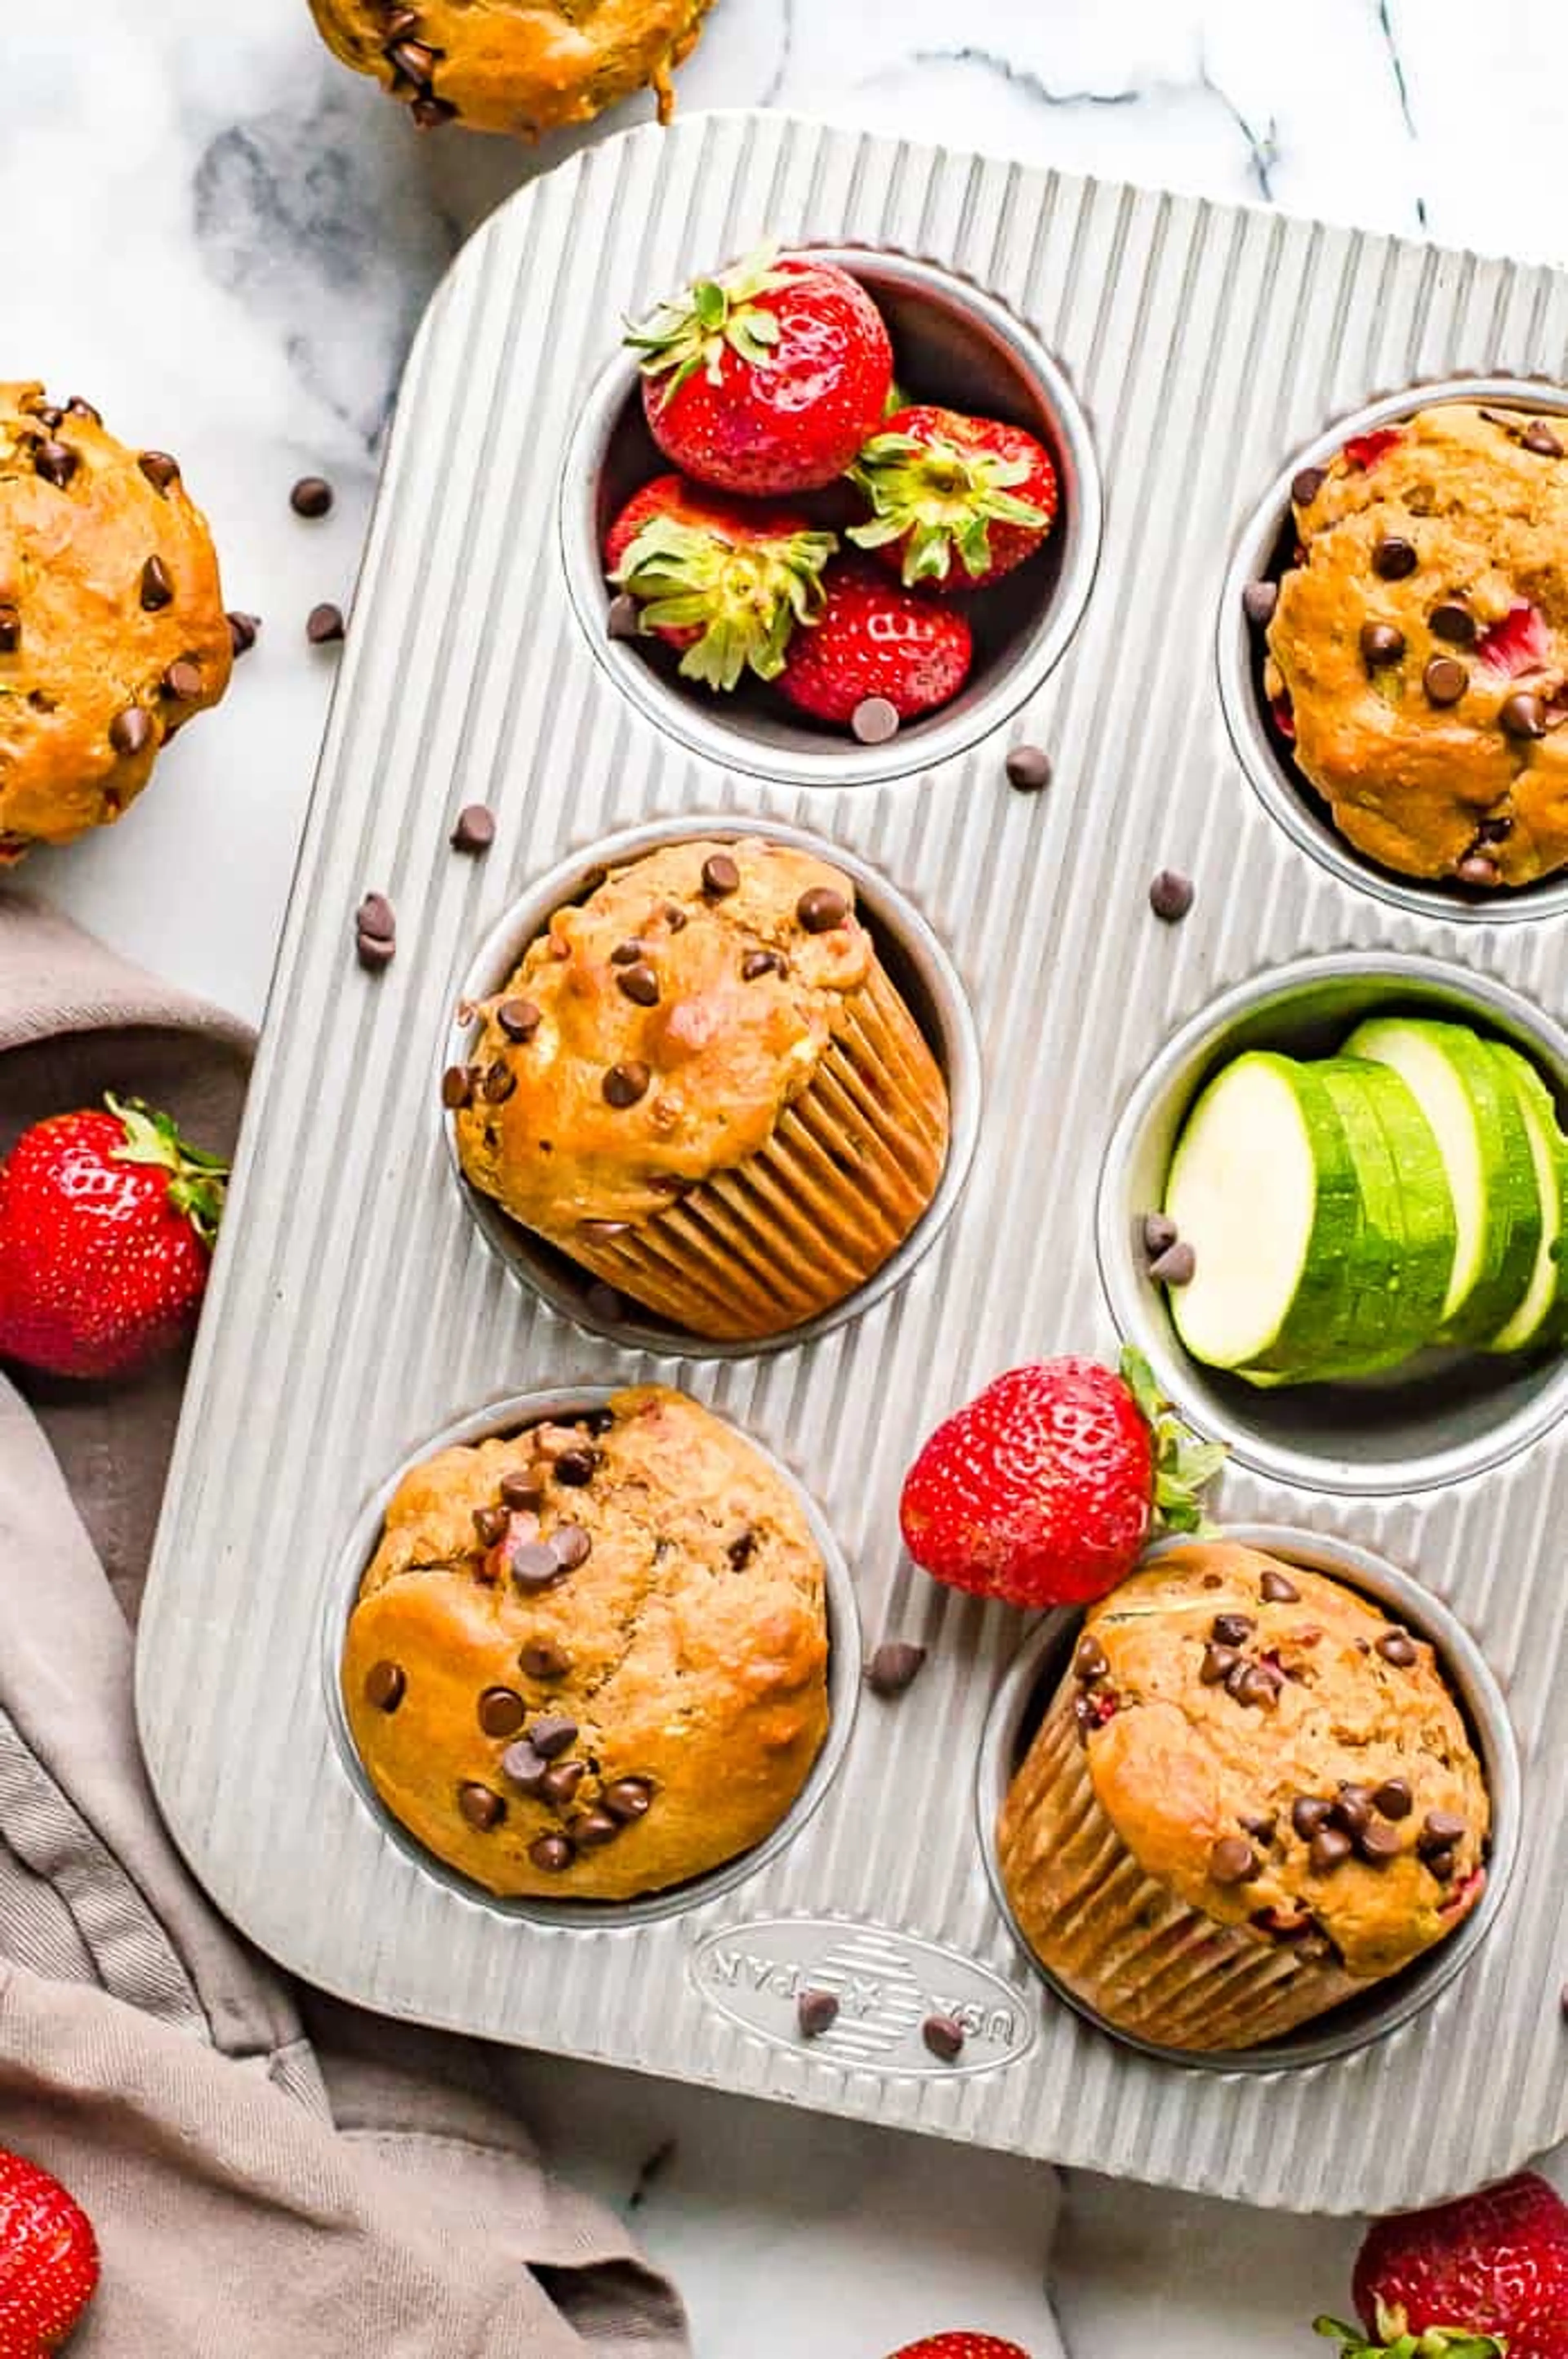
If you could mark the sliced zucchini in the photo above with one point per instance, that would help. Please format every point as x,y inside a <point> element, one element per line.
<point>1540,1316</point>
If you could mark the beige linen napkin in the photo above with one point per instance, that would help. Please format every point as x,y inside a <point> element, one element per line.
<point>259,2192</point>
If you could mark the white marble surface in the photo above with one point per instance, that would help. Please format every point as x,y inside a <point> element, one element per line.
<point>224,241</point>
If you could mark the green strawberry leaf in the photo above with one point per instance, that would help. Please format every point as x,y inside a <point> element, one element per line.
<point>198,1184</point>
<point>1185,1464</point>
<point>745,598</point>
<point>690,333</point>
<point>1398,2342</point>
<point>943,498</point>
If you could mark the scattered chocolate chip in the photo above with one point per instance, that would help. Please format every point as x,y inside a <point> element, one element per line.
<point>1028,768</point>
<point>1309,1816</point>
<point>560,1782</point>
<point>1351,1808</point>
<point>182,680</point>
<point>372,953</point>
<point>1444,681</point>
<point>1381,643</point>
<point>1393,557</point>
<point>1396,1649</point>
<point>159,469</point>
<point>1159,1233</point>
<point>386,1685</point>
<point>324,624</point>
<point>415,61</point>
<point>1453,622</point>
<point>1258,601</point>
<point>1538,437</point>
<point>376,917</point>
<point>623,1085</point>
<point>540,1659</point>
<point>623,619</point>
<point>1232,1860</point>
<point>1306,485</point>
<point>519,1019</point>
<point>77,408</point>
<point>627,1798</point>
<point>1378,1842</point>
<point>640,984</point>
<point>595,1828</point>
<point>756,963</point>
<point>1330,1848</point>
<point>873,720</point>
<point>1219,1663</point>
<point>1275,1589</point>
<point>572,1546</point>
<point>1177,1265</point>
<point>484,1809</point>
<point>10,630</point>
<point>130,732</point>
<point>491,1525</point>
<point>1232,1629</point>
<point>553,1854</point>
<point>457,1088</point>
<point>1522,714</point>
<point>820,910</point>
<point>1441,1863</point>
<point>944,2036</point>
<point>242,631</point>
<point>551,1735</point>
<point>720,876</point>
<point>502,1712</point>
<point>627,953</point>
<point>893,1666</point>
<point>1091,1660</point>
<point>430,112</point>
<point>524,1767</point>
<point>1441,1830</point>
<point>1393,1799</point>
<point>576,1466</point>
<point>55,462</point>
<point>474,829</point>
<point>1171,895</point>
<point>496,1082</point>
<point>816,2011</point>
<point>312,496</point>
<point>533,1564</point>
<point>157,590</point>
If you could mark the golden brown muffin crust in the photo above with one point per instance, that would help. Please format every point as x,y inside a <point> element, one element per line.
<point>111,624</point>
<point>1473,501</point>
<point>737,1001</point>
<point>685,1648</point>
<point>516,66</point>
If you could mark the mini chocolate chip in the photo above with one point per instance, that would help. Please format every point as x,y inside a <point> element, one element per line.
<point>430,112</point>
<point>1441,1863</point>
<point>1171,895</point>
<point>182,680</point>
<point>1091,1660</point>
<point>1351,1808</point>
<point>1232,1629</point>
<point>484,1809</point>
<point>602,1302</point>
<point>894,1665</point>
<point>943,2035</point>
<point>741,1551</point>
<point>1394,1799</point>
<point>521,1491</point>
<point>560,1782</point>
<point>416,61</point>
<point>323,625</point>
<point>1276,1590</point>
<point>1258,601</point>
<point>159,469</point>
<point>1495,830</point>
<point>1309,1815</point>
<point>1444,681</point>
<point>820,910</point>
<point>1522,714</point>
<point>576,1466</point>
<point>533,1564</point>
<point>572,1547</point>
<point>1393,557</point>
<point>1378,1842</point>
<point>524,1767</point>
<point>1306,485</point>
<point>475,829</point>
<point>372,953</point>
<point>130,732</point>
<point>1028,769</point>
<point>541,1659</point>
<point>157,590</point>
<point>1381,643</point>
<point>1218,1665</point>
<point>1159,1233</point>
<point>595,1827</point>
<point>639,983</point>
<point>875,721</point>
<point>552,1853</point>
<point>627,1798</point>
<point>1453,622</point>
<point>242,631</point>
<point>1263,1826</point>
<point>10,630</point>
<point>457,1088</point>
<point>502,1712</point>
<point>1440,1829</point>
<point>496,1082</point>
<point>1538,437</point>
<point>1330,1848</point>
<point>491,1524</point>
<point>623,619</point>
<point>1232,1860</point>
<point>816,2011</point>
<point>55,462</point>
<point>1254,1684</point>
<point>1177,1265</point>
<point>77,408</point>
<point>1476,869</point>
<point>312,496</point>
<point>386,1685</point>
<point>720,876</point>
<point>376,917</point>
<point>552,1735</point>
<point>519,1019</point>
<point>623,1085</point>
<point>756,963</point>
<point>1396,1649</point>
<point>627,953</point>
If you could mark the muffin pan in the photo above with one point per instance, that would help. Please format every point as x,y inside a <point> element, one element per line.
<point>357,1308</point>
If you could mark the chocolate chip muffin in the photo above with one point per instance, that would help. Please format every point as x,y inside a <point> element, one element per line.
<point>1252,1797</point>
<point>517,66</point>
<point>1419,648</point>
<point>589,1660</point>
<point>112,624</point>
<point>701,1085</point>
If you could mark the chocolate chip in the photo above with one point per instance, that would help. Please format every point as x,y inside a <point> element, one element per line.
<point>1091,1660</point>
<point>572,1547</point>
<point>820,910</point>
<point>1276,1590</point>
<point>623,618</point>
<point>576,1466</point>
<point>1232,1860</point>
<point>1444,681</point>
<point>521,1492</point>
<point>1258,601</point>
<point>159,469</point>
<point>1378,1842</point>
<point>1453,622</point>
<point>430,112</point>
<point>46,412</point>
<point>243,630</point>
<point>372,953</point>
<point>182,680</point>
<point>533,1564</point>
<point>623,1085</point>
<point>1396,1649</point>
<point>1394,1799</point>
<point>312,496</point>
<point>595,1828</point>
<point>474,829</point>
<point>10,630</point>
<point>1393,557</point>
<point>816,2011</point>
<point>1441,1863</point>
<point>77,408</point>
<point>627,953</point>
<point>873,720</point>
<point>1159,1233</point>
<point>598,1421</point>
<point>540,1660</point>
<point>519,1019</point>
<point>1306,485</point>
<point>376,917</point>
<point>1309,1816</point>
<point>1351,1808</point>
<point>1381,643</point>
<point>496,1082</point>
<point>1330,1848</point>
<point>386,1685</point>
<point>524,1767</point>
<point>1476,870</point>
<point>157,590</point>
<point>482,1809</point>
<point>55,462</point>
<point>457,1088</point>
<point>1263,1827</point>
<point>130,732</point>
<point>1495,830</point>
<point>627,1798</point>
<point>1232,1629</point>
<point>756,963</point>
<point>943,2035</point>
<point>1218,1663</point>
<point>415,61</point>
<point>560,1782</point>
<point>501,1711</point>
<point>491,1525</point>
<point>720,876</point>
<point>1171,895</point>
<point>639,983</point>
<point>602,1302</point>
<point>1522,714</point>
<point>1538,437</point>
<point>893,1666</point>
<point>741,1551</point>
<point>1028,769</point>
<point>552,1853</point>
<point>1177,1265</point>
<point>1440,1829</point>
<point>323,625</point>
<point>552,1735</point>
<point>1254,1684</point>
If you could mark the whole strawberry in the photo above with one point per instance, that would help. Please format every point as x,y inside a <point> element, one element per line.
<point>725,583</point>
<point>48,2260</point>
<point>961,2345</point>
<point>874,639</point>
<point>106,1227</point>
<point>1472,2279</point>
<point>1045,1488</point>
<point>956,501</point>
<point>766,380</point>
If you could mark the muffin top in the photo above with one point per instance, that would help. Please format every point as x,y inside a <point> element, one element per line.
<point>1422,641</point>
<point>111,624</point>
<point>517,66</point>
<point>589,1660</point>
<point>654,1034</point>
<point>1278,1752</point>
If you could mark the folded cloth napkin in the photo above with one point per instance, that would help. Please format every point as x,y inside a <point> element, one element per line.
<point>270,2175</point>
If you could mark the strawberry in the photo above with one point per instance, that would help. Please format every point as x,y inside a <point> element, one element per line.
<point>942,486</point>
<point>1518,644</point>
<point>961,2345</point>
<point>767,380</point>
<point>48,2260</point>
<point>1044,1490</point>
<point>1472,2279</point>
<point>874,639</point>
<point>106,1227</point>
<point>725,583</point>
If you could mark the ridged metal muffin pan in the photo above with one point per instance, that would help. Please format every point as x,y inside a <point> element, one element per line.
<point>357,1309</point>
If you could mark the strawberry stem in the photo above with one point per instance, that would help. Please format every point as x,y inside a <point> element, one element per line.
<point>1396,2341</point>
<point>694,330</point>
<point>1185,1464</point>
<point>198,1184</point>
<point>745,597</point>
<point>939,497</point>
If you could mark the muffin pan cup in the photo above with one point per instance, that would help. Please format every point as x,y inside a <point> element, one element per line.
<point>356,1306</point>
